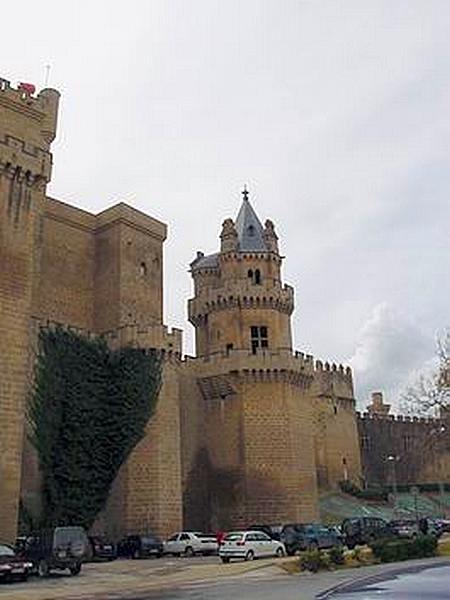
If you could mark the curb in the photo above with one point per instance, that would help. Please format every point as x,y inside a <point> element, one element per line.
<point>376,577</point>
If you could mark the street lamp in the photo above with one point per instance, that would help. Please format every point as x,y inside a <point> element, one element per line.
<point>392,458</point>
<point>440,471</point>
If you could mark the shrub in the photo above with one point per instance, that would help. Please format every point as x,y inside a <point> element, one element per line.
<point>395,550</point>
<point>313,560</point>
<point>374,493</point>
<point>336,555</point>
<point>356,554</point>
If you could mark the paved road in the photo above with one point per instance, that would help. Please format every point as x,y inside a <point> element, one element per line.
<point>201,579</point>
<point>411,584</point>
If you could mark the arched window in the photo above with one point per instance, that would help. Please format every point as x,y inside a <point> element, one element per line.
<point>143,269</point>
<point>251,230</point>
<point>250,274</point>
<point>257,277</point>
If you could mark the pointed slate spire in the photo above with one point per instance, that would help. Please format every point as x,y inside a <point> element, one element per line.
<point>249,229</point>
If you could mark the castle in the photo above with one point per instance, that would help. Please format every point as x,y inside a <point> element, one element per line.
<point>247,430</point>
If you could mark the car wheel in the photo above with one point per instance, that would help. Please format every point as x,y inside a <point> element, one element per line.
<point>225,559</point>
<point>290,551</point>
<point>189,551</point>
<point>250,555</point>
<point>280,552</point>
<point>159,555</point>
<point>43,568</point>
<point>75,569</point>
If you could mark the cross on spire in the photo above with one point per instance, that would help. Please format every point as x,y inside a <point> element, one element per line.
<point>245,193</point>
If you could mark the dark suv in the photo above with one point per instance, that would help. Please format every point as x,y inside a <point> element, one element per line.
<point>308,536</point>
<point>363,530</point>
<point>57,548</point>
<point>140,546</point>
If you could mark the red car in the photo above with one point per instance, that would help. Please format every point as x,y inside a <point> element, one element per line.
<point>12,566</point>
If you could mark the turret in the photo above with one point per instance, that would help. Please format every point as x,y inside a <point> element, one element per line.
<point>228,237</point>
<point>240,301</point>
<point>27,127</point>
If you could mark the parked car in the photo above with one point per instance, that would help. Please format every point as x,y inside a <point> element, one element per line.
<point>13,565</point>
<point>444,525</point>
<point>101,548</point>
<point>433,527</point>
<point>249,545</point>
<point>308,536</point>
<point>57,548</point>
<point>140,546</point>
<point>188,543</point>
<point>273,531</point>
<point>404,528</point>
<point>363,530</point>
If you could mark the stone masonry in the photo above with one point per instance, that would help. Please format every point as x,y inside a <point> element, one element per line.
<point>248,430</point>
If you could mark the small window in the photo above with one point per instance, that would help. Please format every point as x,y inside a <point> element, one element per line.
<point>258,338</point>
<point>257,277</point>
<point>407,443</point>
<point>250,274</point>
<point>365,442</point>
<point>229,348</point>
<point>251,230</point>
<point>143,269</point>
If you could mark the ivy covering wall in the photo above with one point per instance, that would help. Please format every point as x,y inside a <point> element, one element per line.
<point>89,408</point>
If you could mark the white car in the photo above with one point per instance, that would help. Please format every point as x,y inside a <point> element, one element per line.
<point>188,543</point>
<point>249,545</point>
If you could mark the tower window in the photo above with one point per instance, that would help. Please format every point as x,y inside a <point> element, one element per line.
<point>143,269</point>
<point>255,276</point>
<point>251,230</point>
<point>258,337</point>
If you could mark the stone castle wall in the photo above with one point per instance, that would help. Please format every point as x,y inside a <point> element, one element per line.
<point>420,448</point>
<point>27,127</point>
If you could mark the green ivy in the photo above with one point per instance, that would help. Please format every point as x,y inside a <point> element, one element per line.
<point>89,408</point>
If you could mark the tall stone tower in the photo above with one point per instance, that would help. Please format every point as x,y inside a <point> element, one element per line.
<point>240,301</point>
<point>27,128</point>
<point>250,457</point>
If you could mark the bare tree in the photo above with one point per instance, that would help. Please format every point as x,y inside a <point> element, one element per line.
<point>431,392</point>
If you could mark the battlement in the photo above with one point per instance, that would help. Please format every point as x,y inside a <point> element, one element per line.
<point>151,336</point>
<point>36,114</point>
<point>240,359</point>
<point>366,416</point>
<point>244,295</point>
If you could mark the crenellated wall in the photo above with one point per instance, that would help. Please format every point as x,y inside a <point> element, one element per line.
<point>419,447</point>
<point>247,439</point>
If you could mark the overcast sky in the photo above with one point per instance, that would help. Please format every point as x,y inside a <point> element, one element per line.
<point>335,114</point>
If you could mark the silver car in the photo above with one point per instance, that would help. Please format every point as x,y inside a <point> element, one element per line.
<point>249,545</point>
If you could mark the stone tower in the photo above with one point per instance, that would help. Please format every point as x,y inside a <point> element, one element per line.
<point>240,301</point>
<point>250,457</point>
<point>27,128</point>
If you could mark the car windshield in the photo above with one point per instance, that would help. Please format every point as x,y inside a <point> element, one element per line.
<point>149,539</point>
<point>68,535</point>
<point>233,537</point>
<point>6,550</point>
